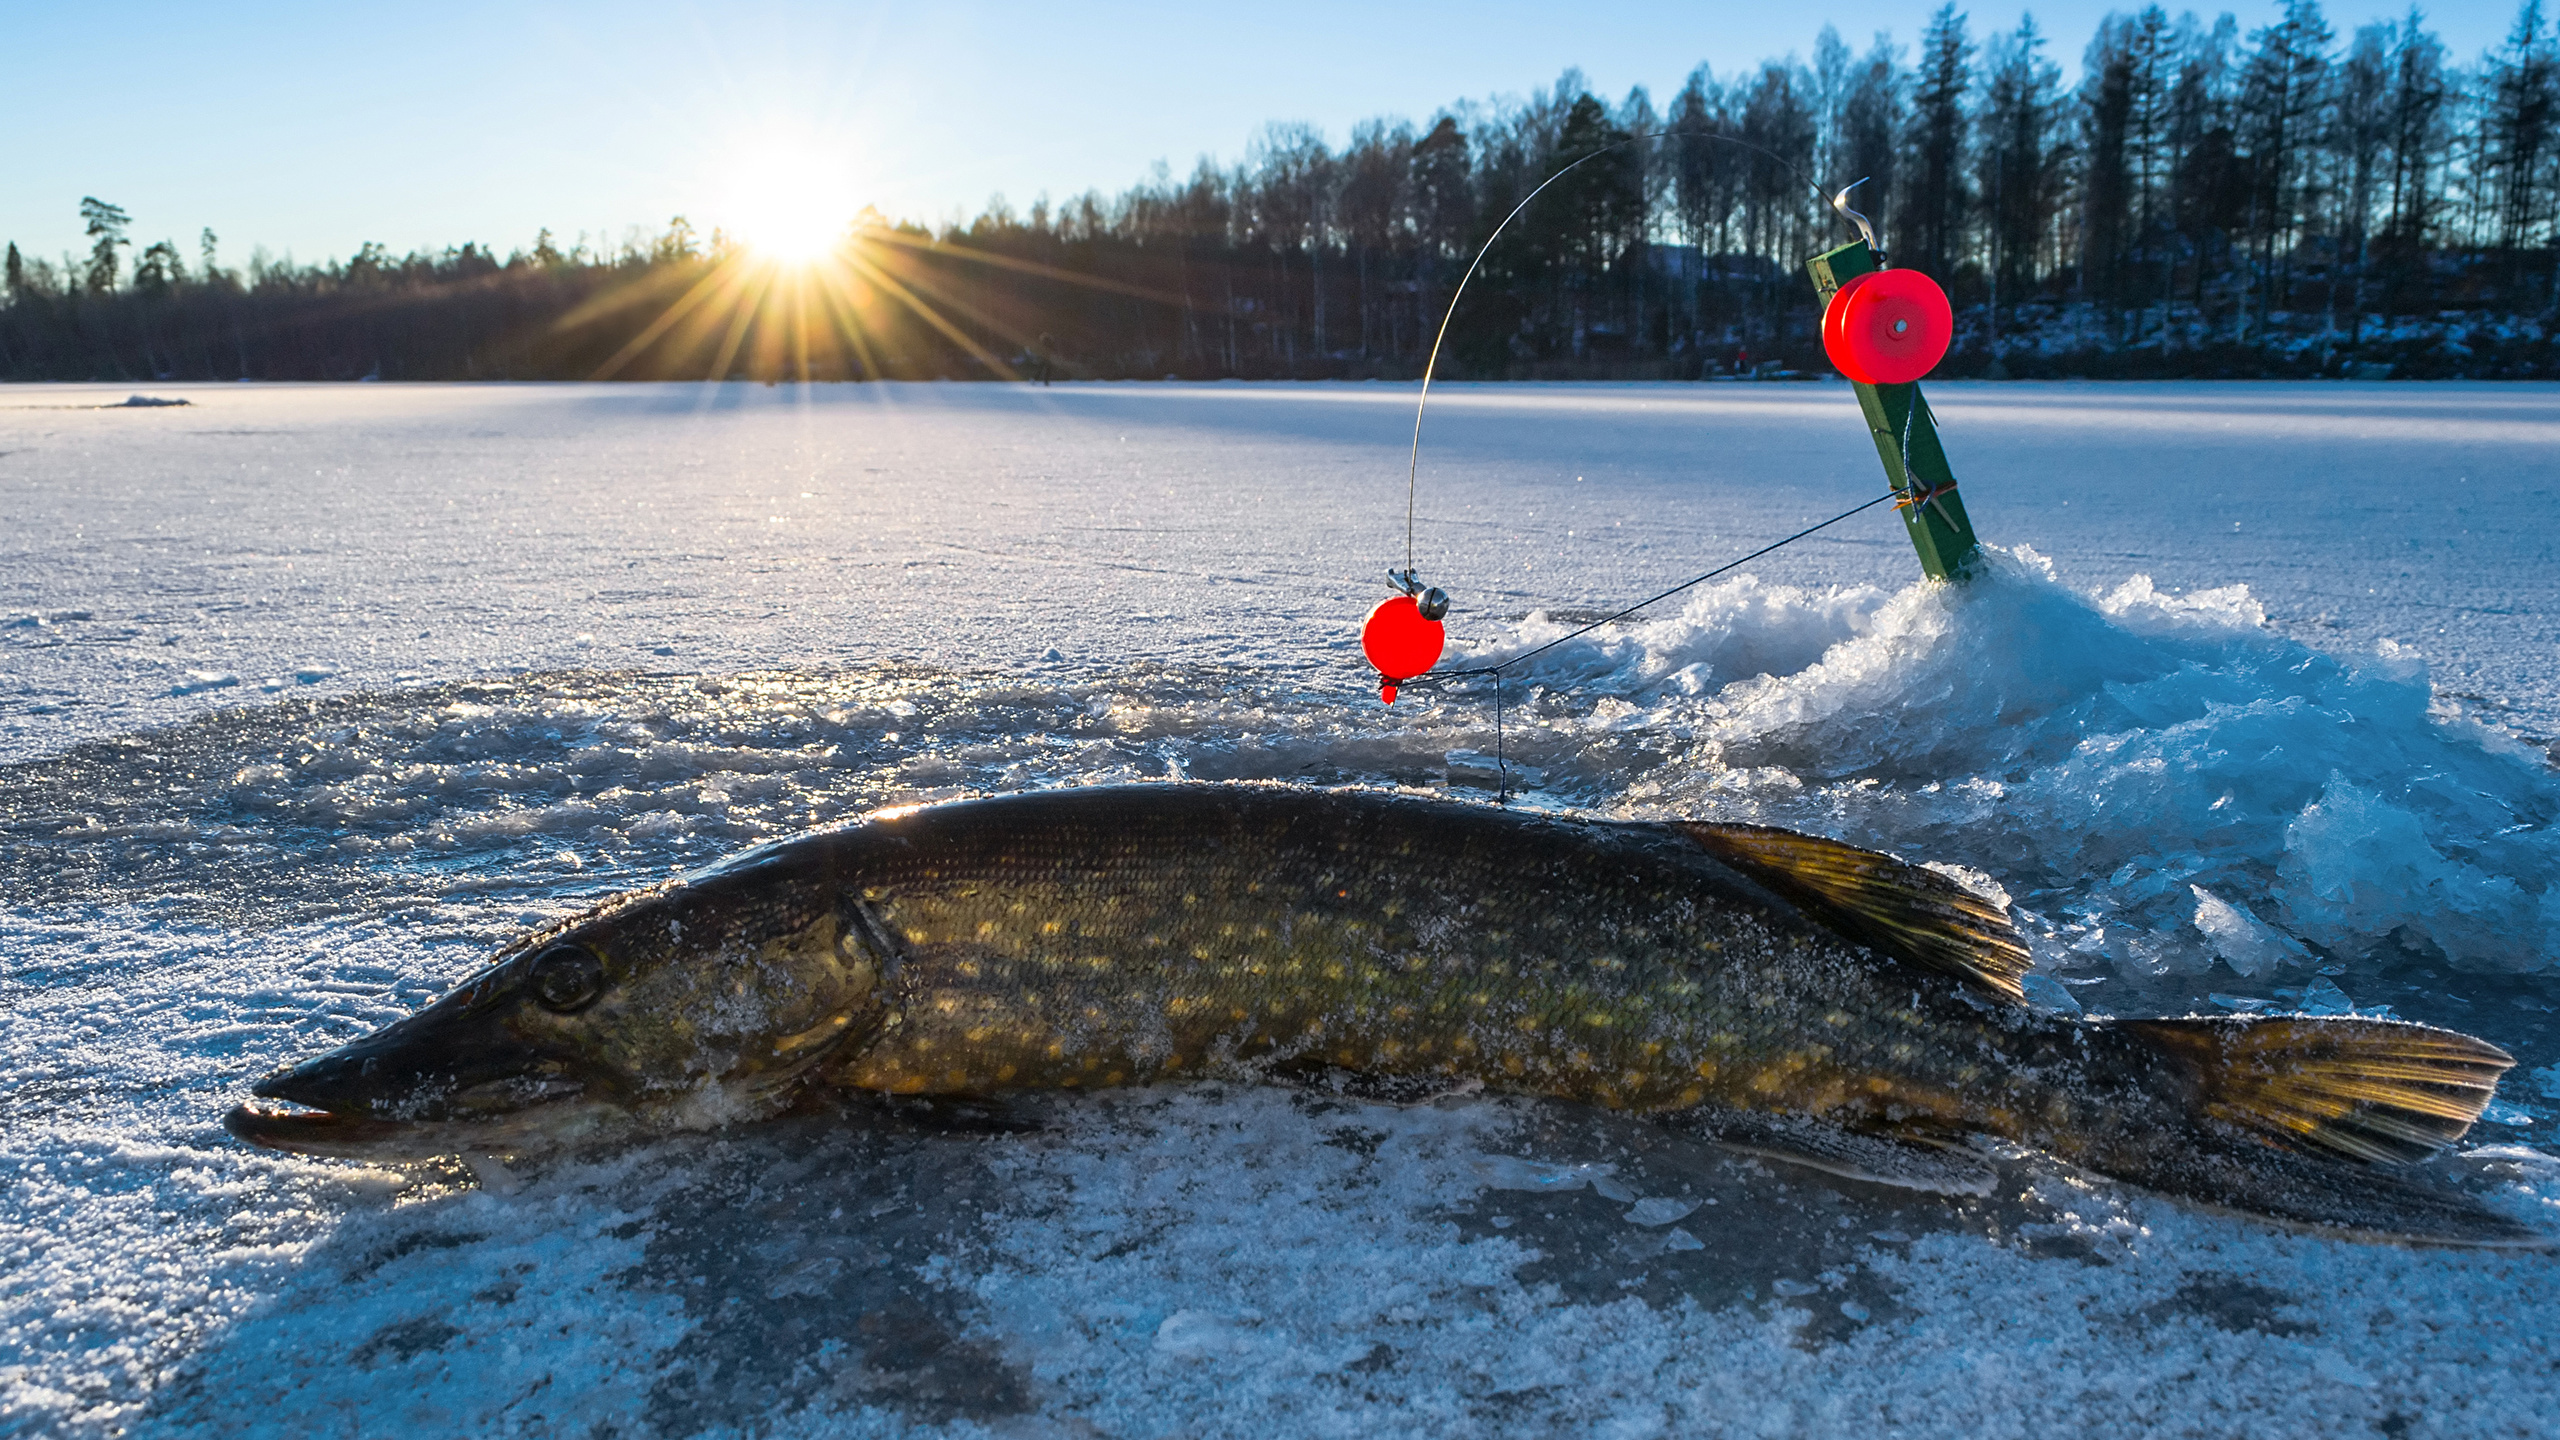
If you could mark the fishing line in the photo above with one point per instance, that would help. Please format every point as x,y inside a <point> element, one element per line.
<point>1501,764</point>
<point>1408,582</point>
<point>1431,366</point>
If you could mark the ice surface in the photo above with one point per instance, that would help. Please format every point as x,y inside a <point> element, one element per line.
<point>314,694</point>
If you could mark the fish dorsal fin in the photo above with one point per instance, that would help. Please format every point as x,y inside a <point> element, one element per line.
<point>1898,909</point>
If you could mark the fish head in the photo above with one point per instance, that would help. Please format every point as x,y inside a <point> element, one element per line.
<point>688,1006</point>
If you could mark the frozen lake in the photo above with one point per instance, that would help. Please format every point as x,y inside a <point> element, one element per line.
<point>309,695</point>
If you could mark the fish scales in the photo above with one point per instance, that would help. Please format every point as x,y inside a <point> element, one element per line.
<point>1188,931</point>
<point>1141,934</point>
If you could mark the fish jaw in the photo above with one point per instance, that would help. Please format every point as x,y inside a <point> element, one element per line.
<point>440,1082</point>
<point>343,1136</point>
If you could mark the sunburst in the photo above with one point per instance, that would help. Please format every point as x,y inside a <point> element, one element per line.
<point>808,287</point>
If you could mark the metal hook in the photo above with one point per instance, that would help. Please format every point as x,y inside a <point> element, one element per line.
<point>1840,202</point>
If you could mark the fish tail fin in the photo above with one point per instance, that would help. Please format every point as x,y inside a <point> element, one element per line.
<point>2312,1119</point>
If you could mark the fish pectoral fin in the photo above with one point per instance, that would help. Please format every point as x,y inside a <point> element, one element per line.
<point>1907,911</point>
<point>1921,1163</point>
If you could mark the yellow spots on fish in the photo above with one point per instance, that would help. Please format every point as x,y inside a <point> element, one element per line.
<point>1346,1057</point>
<point>1768,1082</point>
<point>1479,999</point>
<point>1172,1063</point>
<point>1903,1052</point>
<point>1511,1064</point>
<point>1526,1024</point>
<point>1839,1019</point>
<point>1057,1049</point>
<point>1632,1080</point>
<point>967,968</point>
<point>1879,1085</point>
<point>919,937</point>
<point>1113,1077</point>
<point>1334,970</point>
<point>1004,1073</point>
<point>1417,962</point>
<point>1463,1045</point>
<point>956,1079</point>
<point>1052,927</point>
<point>1693,1094</point>
<point>907,1084</point>
<point>1599,1019</point>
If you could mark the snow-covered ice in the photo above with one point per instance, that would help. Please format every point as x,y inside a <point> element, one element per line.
<point>309,695</point>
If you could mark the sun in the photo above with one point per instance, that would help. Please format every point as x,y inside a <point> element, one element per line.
<point>788,200</point>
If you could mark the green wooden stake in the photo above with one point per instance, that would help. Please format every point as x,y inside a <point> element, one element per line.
<point>1938,529</point>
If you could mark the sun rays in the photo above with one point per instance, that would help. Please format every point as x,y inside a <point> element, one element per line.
<point>809,300</point>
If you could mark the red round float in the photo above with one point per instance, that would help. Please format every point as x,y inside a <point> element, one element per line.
<point>1888,327</point>
<point>1400,641</point>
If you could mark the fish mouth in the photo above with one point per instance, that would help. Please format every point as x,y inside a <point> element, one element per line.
<point>302,1131</point>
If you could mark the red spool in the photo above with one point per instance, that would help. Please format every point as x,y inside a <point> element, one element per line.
<point>1888,327</point>
<point>1400,642</point>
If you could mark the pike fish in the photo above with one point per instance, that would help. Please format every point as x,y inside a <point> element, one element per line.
<point>1780,992</point>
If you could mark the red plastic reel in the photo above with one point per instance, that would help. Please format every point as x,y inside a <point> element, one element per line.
<point>1400,642</point>
<point>1888,327</point>
<point>1832,345</point>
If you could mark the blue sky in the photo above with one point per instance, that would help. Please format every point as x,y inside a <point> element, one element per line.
<point>310,129</point>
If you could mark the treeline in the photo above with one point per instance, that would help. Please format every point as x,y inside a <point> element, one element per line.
<point>2207,201</point>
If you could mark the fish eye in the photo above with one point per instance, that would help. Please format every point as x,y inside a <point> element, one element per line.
<point>567,978</point>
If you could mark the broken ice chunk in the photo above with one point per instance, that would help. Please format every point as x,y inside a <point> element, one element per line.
<point>2323,997</point>
<point>1792,1289</point>
<point>2046,993</point>
<point>2246,943</point>
<point>2245,1004</point>
<point>1678,1239</point>
<point>1660,1210</point>
<point>199,681</point>
<point>1510,1172</point>
<point>1609,1188</point>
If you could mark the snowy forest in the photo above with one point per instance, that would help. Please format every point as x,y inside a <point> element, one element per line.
<point>2205,201</point>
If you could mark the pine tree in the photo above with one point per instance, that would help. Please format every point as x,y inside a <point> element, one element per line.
<point>2021,161</point>
<point>2106,186</point>
<point>1936,208</point>
<point>1873,120</point>
<point>2284,99</point>
<point>105,226</point>
<point>2522,84</point>
<point>2418,144</point>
